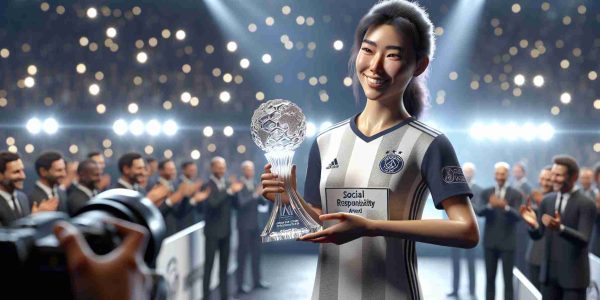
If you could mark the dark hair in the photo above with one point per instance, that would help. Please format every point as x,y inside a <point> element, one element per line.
<point>93,153</point>
<point>570,163</point>
<point>127,160</point>
<point>162,163</point>
<point>597,173</point>
<point>412,20</point>
<point>46,160</point>
<point>5,158</point>
<point>186,163</point>
<point>150,159</point>
<point>84,165</point>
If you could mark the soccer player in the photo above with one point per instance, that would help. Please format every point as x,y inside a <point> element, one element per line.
<point>368,177</point>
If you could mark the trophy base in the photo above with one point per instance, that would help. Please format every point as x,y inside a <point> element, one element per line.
<point>287,234</point>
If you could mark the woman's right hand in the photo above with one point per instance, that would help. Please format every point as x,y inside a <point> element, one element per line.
<point>272,184</point>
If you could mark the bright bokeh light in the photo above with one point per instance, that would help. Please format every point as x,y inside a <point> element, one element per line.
<point>34,126</point>
<point>170,128</point>
<point>120,127</point>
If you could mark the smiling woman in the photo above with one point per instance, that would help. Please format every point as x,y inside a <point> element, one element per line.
<point>387,162</point>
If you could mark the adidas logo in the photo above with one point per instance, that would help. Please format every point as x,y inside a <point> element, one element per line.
<point>333,165</point>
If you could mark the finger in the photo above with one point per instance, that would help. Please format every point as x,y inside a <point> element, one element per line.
<point>135,237</point>
<point>76,249</point>
<point>321,240</point>
<point>268,176</point>
<point>335,216</point>
<point>529,201</point>
<point>557,215</point>
<point>268,168</point>
<point>275,190</point>
<point>270,183</point>
<point>315,235</point>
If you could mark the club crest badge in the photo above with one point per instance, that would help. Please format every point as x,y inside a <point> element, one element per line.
<point>453,174</point>
<point>391,163</point>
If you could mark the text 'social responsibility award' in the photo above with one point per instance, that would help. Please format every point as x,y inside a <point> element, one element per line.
<point>278,128</point>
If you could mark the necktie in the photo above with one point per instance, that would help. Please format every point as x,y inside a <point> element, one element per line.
<point>559,210</point>
<point>16,207</point>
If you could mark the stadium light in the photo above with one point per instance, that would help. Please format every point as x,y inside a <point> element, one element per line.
<point>120,127</point>
<point>34,126</point>
<point>170,128</point>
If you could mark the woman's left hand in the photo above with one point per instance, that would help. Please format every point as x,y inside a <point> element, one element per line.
<point>349,228</point>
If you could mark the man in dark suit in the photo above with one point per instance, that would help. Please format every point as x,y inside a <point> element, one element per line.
<point>13,203</point>
<point>469,254</point>
<point>176,205</point>
<point>535,248</point>
<point>104,177</point>
<point>152,172</point>
<point>595,247</point>
<point>522,185</point>
<point>133,169</point>
<point>194,213</point>
<point>248,231</point>
<point>86,188</point>
<point>51,169</point>
<point>499,206</point>
<point>217,230</point>
<point>565,219</point>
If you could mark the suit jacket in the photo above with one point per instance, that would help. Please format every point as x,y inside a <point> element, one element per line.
<point>500,224</point>
<point>535,249</point>
<point>77,199</point>
<point>218,208</point>
<point>7,215</point>
<point>568,248</point>
<point>247,209</point>
<point>595,246</point>
<point>38,195</point>
<point>173,214</point>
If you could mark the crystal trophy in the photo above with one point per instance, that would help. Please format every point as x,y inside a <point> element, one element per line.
<point>278,128</point>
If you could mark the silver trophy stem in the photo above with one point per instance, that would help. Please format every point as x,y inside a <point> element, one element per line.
<point>281,164</point>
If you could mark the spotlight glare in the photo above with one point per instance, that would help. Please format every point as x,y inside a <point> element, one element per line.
<point>528,132</point>
<point>311,129</point>
<point>225,96</point>
<point>338,45</point>
<point>538,80</point>
<point>232,46</point>
<point>153,127</point>
<point>180,35</point>
<point>477,131</point>
<point>132,108</point>
<point>244,63</point>
<point>136,127</point>
<point>111,32</point>
<point>50,126</point>
<point>325,125</point>
<point>545,132</point>
<point>29,82</point>
<point>565,98</point>
<point>34,126</point>
<point>266,58</point>
<point>94,89</point>
<point>186,97</point>
<point>120,127</point>
<point>92,12</point>
<point>170,128</point>
<point>195,154</point>
<point>208,131</point>
<point>519,79</point>
<point>142,57</point>
<point>228,131</point>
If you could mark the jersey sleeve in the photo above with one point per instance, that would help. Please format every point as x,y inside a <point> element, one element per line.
<point>312,192</point>
<point>442,172</point>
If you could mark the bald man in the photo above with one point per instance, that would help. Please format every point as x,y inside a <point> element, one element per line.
<point>500,208</point>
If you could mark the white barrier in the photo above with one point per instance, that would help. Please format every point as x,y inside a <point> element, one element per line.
<point>523,288</point>
<point>593,291</point>
<point>181,261</point>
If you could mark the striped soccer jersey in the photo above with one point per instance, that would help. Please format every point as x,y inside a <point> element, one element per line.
<point>387,176</point>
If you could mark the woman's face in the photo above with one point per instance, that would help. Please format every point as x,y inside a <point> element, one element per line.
<point>385,63</point>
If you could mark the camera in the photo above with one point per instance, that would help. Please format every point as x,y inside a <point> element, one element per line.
<point>33,265</point>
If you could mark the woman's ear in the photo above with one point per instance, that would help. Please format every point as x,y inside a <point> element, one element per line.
<point>421,66</point>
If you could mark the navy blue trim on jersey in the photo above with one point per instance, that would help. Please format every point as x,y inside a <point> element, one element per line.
<point>367,139</point>
<point>312,184</point>
<point>442,172</point>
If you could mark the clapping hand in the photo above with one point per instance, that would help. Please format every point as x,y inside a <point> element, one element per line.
<point>50,204</point>
<point>528,214</point>
<point>551,222</point>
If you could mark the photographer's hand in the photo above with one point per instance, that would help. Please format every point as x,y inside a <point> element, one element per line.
<point>120,274</point>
